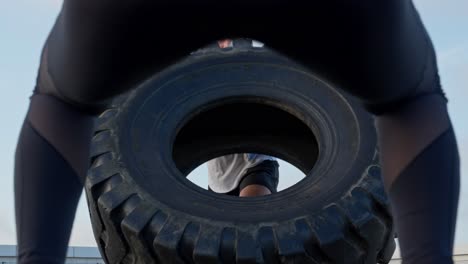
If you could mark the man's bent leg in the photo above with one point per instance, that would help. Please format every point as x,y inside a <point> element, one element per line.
<point>50,164</point>
<point>421,171</point>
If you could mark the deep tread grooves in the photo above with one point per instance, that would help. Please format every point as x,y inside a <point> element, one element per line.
<point>105,184</point>
<point>102,142</point>
<point>132,228</point>
<point>108,204</point>
<point>266,238</point>
<point>102,159</point>
<point>381,207</point>
<point>154,226</point>
<point>290,244</point>
<point>388,249</point>
<point>105,120</point>
<point>187,244</point>
<point>376,190</point>
<point>331,234</point>
<point>101,185</point>
<point>101,173</point>
<point>309,240</point>
<point>352,227</point>
<point>227,251</point>
<point>207,246</point>
<point>246,250</point>
<point>373,231</point>
<point>166,243</point>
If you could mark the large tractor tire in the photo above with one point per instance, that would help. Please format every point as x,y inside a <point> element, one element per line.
<point>237,100</point>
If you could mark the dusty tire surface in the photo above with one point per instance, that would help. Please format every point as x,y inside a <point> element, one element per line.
<point>217,102</point>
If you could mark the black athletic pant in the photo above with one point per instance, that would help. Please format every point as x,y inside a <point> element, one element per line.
<point>377,50</point>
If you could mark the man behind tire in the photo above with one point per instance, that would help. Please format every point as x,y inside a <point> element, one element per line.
<point>243,174</point>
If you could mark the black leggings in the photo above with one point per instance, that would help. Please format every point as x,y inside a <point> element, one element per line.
<point>377,50</point>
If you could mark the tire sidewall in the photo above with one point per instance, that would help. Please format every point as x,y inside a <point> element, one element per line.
<point>152,115</point>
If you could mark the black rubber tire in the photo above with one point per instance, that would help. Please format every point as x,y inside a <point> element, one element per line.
<point>217,102</point>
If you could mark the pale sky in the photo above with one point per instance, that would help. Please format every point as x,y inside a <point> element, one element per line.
<point>24,25</point>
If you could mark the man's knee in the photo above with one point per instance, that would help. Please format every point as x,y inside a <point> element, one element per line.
<point>254,190</point>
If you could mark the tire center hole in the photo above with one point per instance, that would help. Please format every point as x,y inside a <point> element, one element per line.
<point>288,174</point>
<point>249,126</point>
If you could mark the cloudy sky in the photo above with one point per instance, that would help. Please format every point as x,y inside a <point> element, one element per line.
<point>24,25</point>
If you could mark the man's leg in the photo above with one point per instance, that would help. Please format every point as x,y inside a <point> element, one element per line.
<point>84,63</point>
<point>50,164</point>
<point>380,52</point>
